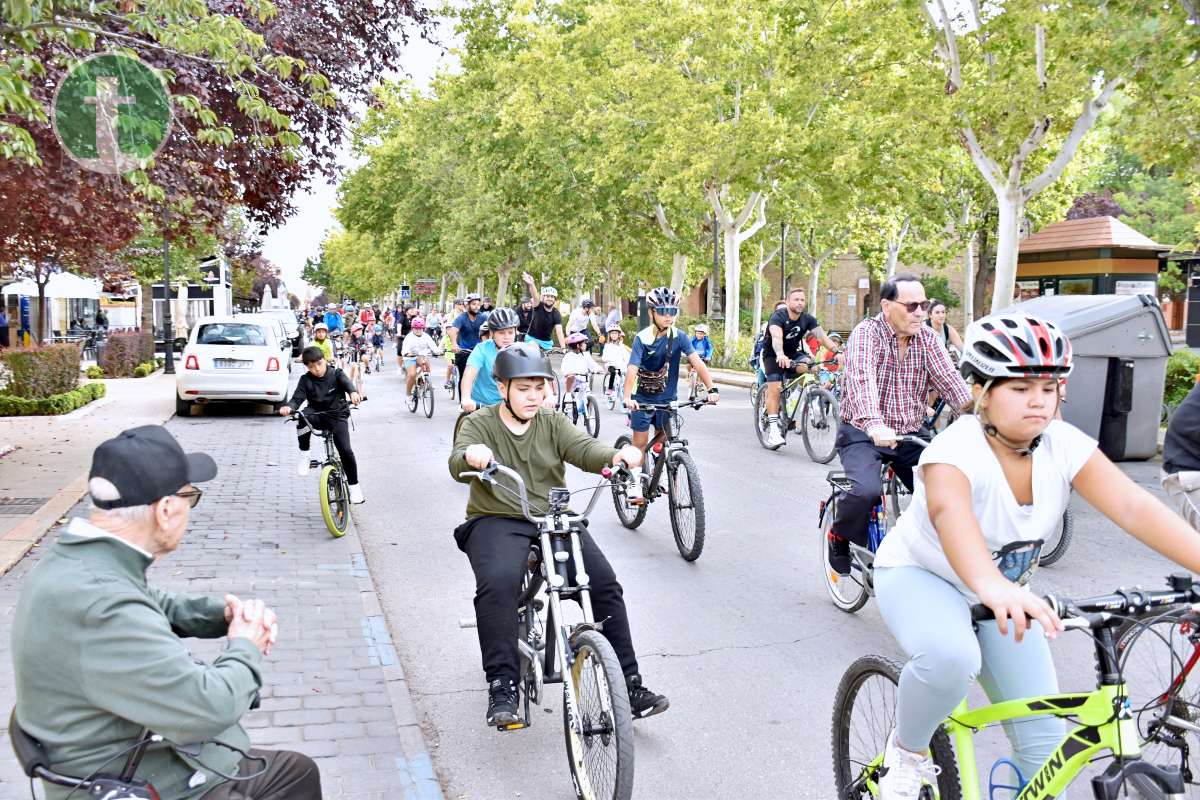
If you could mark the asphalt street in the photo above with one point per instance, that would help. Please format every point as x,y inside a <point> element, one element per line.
<point>744,641</point>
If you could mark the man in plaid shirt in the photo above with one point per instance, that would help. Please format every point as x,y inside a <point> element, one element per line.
<point>892,360</point>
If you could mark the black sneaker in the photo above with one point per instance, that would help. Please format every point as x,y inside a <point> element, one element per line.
<point>643,702</point>
<point>502,703</point>
<point>839,554</point>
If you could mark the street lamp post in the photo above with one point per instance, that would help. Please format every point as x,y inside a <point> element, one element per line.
<point>168,339</point>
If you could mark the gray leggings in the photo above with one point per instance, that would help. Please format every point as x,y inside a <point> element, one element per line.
<point>931,620</point>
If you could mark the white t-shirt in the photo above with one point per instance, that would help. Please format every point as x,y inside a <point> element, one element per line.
<point>579,364</point>
<point>578,321</point>
<point>615,355</point>
<point>422,345</point>
<point>1063,451</point>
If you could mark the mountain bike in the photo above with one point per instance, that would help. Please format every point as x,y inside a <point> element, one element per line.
<point>376,364</point>
<point>851,592</point>
<point>865,703</point>
<point>333,490</point>
<point>580,404</point>
<point>816,408</point>
<point>422,393</point>
<point>668,452</point>
<point>597,723</point>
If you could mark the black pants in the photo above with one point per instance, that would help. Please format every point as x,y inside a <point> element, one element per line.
<point>341,440</point>
<point>289,776</point>
<point>862,461</point>
<point>498,548</point>
<point>460,360</point>
<point>612,379</point>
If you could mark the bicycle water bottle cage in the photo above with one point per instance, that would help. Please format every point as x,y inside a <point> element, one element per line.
<point>1014,788</point>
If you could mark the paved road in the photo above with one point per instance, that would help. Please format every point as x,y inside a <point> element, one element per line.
<point>744,641</point>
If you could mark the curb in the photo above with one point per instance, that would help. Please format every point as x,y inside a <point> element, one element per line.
<point>742,380</point>
<point>22,538</point>
<point>420,781</point>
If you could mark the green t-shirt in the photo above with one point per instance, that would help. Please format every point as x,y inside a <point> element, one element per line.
<point>538,455</point>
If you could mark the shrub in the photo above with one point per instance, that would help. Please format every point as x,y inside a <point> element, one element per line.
<point>123,351</point>
<point>63,403</point>
<point>143,369</point>
<point>1182,368</point>
<point>94,372</point>
<point>42,371</point>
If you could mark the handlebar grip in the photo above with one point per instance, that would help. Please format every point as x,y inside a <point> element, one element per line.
<point>981,613</point>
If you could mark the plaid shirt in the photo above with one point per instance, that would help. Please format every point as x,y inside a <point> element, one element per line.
<point>879,389</point>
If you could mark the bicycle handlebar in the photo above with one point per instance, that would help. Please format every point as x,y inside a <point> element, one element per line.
<point>488,475</point>
<point>1097,611</point>
<point>673,405</point>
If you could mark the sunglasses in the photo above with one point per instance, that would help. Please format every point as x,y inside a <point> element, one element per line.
<point>192,496</point>
<point>912,307</point>
<point>668,311</point>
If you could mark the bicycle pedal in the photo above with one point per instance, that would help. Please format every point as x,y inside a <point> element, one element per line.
<point>313,463</point>
<point>512,726</point>
<point>635,502</point>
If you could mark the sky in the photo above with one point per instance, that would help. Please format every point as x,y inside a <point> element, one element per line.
<point>300,237</point>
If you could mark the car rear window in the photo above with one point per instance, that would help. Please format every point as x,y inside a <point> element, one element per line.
<point>232,333</point>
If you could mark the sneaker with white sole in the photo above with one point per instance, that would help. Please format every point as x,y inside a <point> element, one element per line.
<point>773,437</point>
<point>356,495</point>
<point>904,773</point>
<point>303,467</point>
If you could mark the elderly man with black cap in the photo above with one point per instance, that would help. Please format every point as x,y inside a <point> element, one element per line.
<point>98,656</point>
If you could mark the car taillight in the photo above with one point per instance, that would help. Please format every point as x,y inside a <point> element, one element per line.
<point>272,364</point>
<point>191,363</point>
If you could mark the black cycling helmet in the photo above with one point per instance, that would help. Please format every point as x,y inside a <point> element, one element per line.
<point>522,360</point>
<point>587,302</point>
<point>502,319</point>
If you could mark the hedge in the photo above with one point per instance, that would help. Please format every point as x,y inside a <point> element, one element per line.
<point>64,403</point>
<point>123,351</point>
<point>42,371</point>
<point>1182,368</point>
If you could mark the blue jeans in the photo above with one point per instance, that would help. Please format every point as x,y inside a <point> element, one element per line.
<point>931,619</point>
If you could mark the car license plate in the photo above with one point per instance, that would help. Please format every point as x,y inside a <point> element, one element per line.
<point>231,363</point>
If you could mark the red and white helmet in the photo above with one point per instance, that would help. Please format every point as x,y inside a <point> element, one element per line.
<point>1014,344</point>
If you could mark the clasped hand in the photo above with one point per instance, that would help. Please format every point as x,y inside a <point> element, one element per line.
<point>253,620</point>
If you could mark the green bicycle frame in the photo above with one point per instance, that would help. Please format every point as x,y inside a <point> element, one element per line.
<point>1099,729</point>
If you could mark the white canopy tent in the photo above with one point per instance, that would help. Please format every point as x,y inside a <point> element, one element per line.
<point>62,285</point>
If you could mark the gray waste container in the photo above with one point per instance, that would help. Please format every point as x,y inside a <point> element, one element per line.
<point>1121,347</point>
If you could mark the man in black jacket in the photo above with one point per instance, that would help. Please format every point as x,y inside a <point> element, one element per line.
<point>1181,459</point>
<point>325,388</point>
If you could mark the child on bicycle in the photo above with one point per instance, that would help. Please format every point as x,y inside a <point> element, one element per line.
<point>535,442</point>
<point>479,389</point>
<point>418,347</point>
<point>577,362</point>
<point>377,342</point>
<point>325,388</point>
<point>973,533</point>
<point>702,345</point>
<point>615,357</point>
<point>321,339</point>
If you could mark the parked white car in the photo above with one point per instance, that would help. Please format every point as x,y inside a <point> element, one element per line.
<point>291,324</point>
<point>233,358</point>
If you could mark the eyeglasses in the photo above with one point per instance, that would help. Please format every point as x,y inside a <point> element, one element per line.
<point>912,307</point>
<point>667,311</point>
<point>192,496</point>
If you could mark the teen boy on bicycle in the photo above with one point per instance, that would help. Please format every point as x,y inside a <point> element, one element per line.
<point>496,537</point>
<point>325,389</point>
<point>973,533</point>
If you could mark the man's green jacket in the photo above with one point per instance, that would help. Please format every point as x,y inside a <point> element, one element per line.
<point>98,657</point>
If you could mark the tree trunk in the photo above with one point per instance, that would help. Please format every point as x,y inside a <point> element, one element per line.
<point>147,320</point>
<point>1008,239</point>
<point>873,285</point>
<point>679,263</point>
<point>969,281</point>
<point>502,286</point>
<point>462,289</point>
<point>984,274</point>
<point>441,294</point>
<point>43,312</point>
<point>733,287</point>
<point>893,250</point>
<point>479,286</point>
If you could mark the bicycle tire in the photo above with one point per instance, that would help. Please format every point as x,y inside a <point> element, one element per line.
<point>898,498</point>
<point>1058,546</point>
<point>453,390</point>
<point>819,424</point>
<point>603,704</point>
<point>412,400</point>
<point>335,502</point>
<point>690,547</point>
<point>857,786</point>
<point>760,421</point>
<point>630,517</point>
<point>1157,678</point>
<point>591,417</point>
<point>458,426</point>
<point>427,401</point>
<point>848,592</point>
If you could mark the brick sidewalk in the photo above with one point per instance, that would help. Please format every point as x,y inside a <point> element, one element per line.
<point>333,687</point>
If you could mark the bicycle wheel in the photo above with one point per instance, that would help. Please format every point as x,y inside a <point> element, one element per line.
<point>453,382</point>
<point>427,400</point>
<point>848,592</point>
<point>630,516</point>
<point>591,417</point>
<point>864,714</point>
<point>601,751</point>
<point>1158,656</point>
<point>335,501</point>
<point>898,498</point>
<point>412,399</point>
<point>1054,547</point>
<point>819,424</point>
<point>686,503</point>
<point>760,420</point>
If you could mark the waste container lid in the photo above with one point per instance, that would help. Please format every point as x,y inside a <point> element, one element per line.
<point>1080,315</point>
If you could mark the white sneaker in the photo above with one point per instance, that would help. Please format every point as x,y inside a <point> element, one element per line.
<point>356,495</point>
<point>774,438</point>
<point>905,773</point>
<point>303,467</point>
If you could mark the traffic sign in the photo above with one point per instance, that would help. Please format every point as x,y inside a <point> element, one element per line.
<point>405,292</point>
<point>425,286</point>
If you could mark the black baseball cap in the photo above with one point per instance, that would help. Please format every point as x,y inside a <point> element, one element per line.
<point>146,464</point>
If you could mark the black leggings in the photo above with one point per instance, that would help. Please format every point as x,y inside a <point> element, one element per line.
<point>612,379</point>
<point>341,440</point>
<point>460,359</point>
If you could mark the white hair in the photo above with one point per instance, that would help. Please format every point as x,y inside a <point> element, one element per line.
<point>104,491</point>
